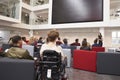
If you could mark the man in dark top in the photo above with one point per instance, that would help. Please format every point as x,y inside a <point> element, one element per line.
<point>95,43</point>
<point>58,42</point>
<point>65,44</point>
<point>76,43</point>
<point>40,40</point>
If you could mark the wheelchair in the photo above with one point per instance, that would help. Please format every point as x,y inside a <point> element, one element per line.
<point>50,66</point>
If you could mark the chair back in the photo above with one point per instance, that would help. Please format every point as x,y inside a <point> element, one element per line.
<point>51,55</point>
<point>50,65</point>
<point>72,49</point>
<point>98,49</point>
<point>67,52</point>
<point>29,48</point>
<point>5,46</point>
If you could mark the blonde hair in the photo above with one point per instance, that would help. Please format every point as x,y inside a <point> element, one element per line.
<point>31,40</point>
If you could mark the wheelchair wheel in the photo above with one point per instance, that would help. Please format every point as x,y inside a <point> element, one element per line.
<point>64,77</point>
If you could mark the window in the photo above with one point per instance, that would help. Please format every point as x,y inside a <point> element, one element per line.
<point>116,37</point>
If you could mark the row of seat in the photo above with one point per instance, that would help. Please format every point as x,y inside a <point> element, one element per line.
<point>100,62</point>
<point>70,52</point>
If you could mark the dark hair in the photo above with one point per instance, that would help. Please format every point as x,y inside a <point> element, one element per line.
<point>53,35</point>
<point>24,38</point>
<point>58,38</point>
<point>47,40</point>
<point>65,41</point>
<point>10,39</point>
<point>95,41</point>
<point>16,39</point>
<point>100,36</point>
<point>76,40</point>
<point>40,38</point>
<point>84,39</point>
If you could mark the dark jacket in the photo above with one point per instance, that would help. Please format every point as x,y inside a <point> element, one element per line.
<point>95,45</point>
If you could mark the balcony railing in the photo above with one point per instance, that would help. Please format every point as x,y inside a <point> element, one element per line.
<point>10,9</point>
<point>40,2</point>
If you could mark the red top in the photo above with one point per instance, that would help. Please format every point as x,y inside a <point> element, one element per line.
<point>58,42</point>
<point>75,44</point>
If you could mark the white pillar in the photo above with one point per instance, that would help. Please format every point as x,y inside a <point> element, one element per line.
<point>106,11</point>
<point>20,10</point>
<point>32,18</point>
<point>31,2</point>
<point>50,12</point>
<point>31,33</point>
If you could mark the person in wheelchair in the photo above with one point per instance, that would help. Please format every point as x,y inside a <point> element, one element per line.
<point>52,49</point>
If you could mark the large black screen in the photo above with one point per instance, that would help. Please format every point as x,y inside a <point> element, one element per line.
<point>71,11</point>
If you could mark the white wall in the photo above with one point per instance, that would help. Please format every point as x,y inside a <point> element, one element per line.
<point>108,37</point>
<point>6,33</point>
<point>5,36</point>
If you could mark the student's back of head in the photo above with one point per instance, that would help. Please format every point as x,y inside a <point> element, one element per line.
<point>16,41</point>
<point>84,44</point>
<point>76,40</point>
<point>65,41</point>
<point>53,35</point>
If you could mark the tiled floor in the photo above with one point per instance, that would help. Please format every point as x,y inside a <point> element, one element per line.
<point>76,74</point>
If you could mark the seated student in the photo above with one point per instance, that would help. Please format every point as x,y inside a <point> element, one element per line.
<point>15,51</point>
<point>40,41</point>
<point>58,42</point>
<point>95,43</point>
<point>65,44</point>
<point>84,46</point>
<point>51,44</point>
<point>76,43</point>
<point>88,44</point>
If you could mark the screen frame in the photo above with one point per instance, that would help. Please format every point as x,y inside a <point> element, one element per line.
<point>102,13</point>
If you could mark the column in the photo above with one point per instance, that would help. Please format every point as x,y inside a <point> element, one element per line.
<point>31,33</point>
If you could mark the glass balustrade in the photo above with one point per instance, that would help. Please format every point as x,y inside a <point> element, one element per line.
<point>40,2</point>
<point>10,8</point>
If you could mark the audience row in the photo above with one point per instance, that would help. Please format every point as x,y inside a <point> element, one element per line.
<point>52,42</point>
